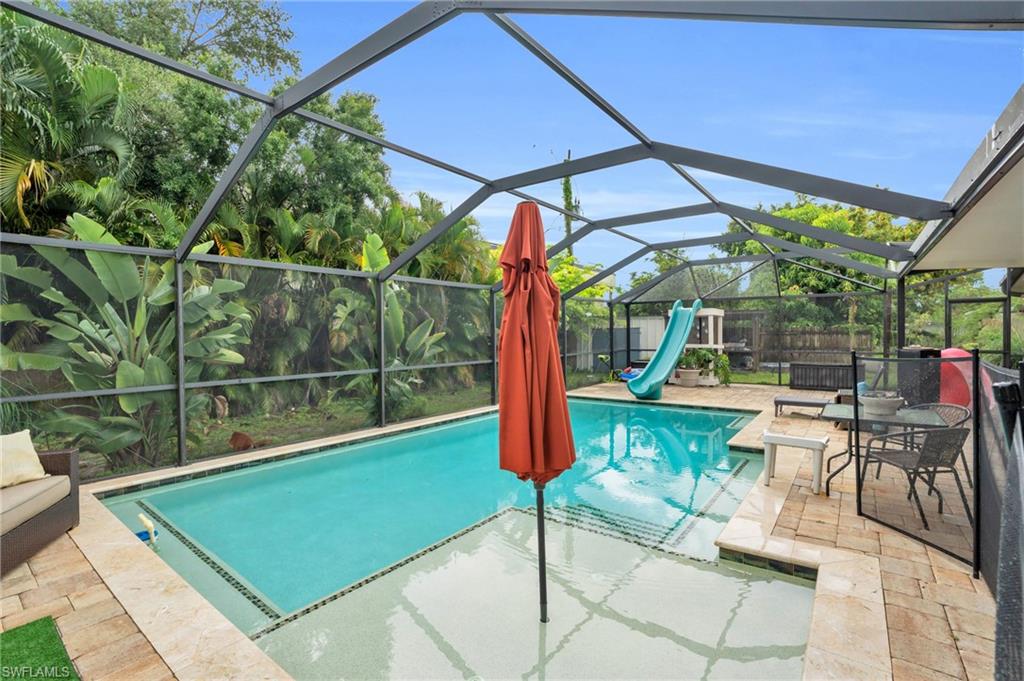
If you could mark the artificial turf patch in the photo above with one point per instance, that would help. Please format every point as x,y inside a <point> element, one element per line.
<point>35,651</point>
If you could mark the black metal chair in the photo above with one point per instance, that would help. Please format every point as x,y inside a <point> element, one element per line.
<point>954,416</point>
<point>921,456</point>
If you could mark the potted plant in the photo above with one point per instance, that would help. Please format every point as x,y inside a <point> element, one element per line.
<point>706,364</point>
<point>722,368</point>
<point>689,368</point>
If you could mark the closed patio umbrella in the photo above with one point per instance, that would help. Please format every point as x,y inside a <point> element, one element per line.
<point>534,434</point>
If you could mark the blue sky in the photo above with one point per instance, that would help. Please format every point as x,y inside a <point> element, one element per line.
<point>899,108</point>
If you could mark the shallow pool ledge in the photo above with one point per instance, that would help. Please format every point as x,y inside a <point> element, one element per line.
<point>194,639</point>
<point>849,636</point>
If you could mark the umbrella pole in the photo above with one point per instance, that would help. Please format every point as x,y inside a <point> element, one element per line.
<point>541,552</point>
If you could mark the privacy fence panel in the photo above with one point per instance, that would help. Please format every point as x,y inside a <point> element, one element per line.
<point>997,458</point>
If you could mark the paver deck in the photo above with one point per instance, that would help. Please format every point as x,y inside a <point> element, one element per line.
<point>940,621</point>
<point>102,640</point>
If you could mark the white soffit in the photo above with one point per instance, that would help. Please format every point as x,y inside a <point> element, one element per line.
<point>990,235</point>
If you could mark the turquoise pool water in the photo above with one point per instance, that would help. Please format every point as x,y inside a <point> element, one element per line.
<point>287,534</point>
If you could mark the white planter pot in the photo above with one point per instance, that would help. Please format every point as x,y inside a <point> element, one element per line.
<point>688,377</point>
<point>707,381</point>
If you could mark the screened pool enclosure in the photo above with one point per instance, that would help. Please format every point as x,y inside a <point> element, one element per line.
<point>149,357</point>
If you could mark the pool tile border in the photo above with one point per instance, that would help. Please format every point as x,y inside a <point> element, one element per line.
<point>215,565</point>
<point>195,640</point>
<point>298,614</point>
<point>112,487</point>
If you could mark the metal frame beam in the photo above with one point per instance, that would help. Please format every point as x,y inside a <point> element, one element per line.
<point>735,212</point>
<point>75,28</point>
<point>794,261</point>
<point>607,272</point>
<point>980,15</point>
<point>739,276</point>
<point>583,88</point>
<point>826,235</point>
<point>630,295</point>
<point>552,62</point>
<point>406,28</point>
<point>463,209</point>
<point>411,25</point>
<point>724,238</point>
<point>248,149</point>
<point>730,237</point>
<point>824,255</point>
<point>807,183</point>
<point>577,166</point>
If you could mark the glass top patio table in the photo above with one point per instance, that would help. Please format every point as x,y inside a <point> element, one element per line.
<point>907,418</point>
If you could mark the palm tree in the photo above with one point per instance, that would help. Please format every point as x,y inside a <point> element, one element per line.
<point>61,119</point>
<point>460,254</point>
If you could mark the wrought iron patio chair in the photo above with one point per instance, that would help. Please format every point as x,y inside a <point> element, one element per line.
<point>921,457</point>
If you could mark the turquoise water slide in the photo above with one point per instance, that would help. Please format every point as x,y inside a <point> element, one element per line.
<point>647,386</point>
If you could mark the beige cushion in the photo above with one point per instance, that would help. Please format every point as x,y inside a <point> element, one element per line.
<point>18,460</point>
<point>19,503</point>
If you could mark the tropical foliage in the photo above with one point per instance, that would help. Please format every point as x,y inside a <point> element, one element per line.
<point>103,321</point>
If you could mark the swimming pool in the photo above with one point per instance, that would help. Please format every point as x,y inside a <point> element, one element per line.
<point>271,540</point>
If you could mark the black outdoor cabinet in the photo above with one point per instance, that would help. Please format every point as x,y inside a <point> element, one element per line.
<point>919,381</point>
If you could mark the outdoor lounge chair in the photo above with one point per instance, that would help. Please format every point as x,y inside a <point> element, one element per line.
<point>921,456</point>
<point>34,513</point>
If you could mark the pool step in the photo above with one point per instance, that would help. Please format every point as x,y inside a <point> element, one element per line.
<point>611,523</point>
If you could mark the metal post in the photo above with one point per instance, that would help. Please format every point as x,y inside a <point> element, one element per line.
<point>901,313</point>
<point>778,340</point>
<point>565,342</point>
<point>381,390</point>
<point>611,336</point>
<point>886,324</point>
<point>947,326</point>
<point>856,431</point>
<point>1007,327</point>
<point>179,308</point>
<point>542,559</point>
<point>629,339</point>
<point>494,348</point>
<point>976,444</point>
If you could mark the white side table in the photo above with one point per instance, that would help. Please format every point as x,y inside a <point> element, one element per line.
<point>816,445</point>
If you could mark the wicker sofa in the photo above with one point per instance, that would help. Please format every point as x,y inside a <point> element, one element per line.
<point>35,513</point>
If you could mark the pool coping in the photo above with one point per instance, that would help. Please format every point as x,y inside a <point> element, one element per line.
<point>848,634</point>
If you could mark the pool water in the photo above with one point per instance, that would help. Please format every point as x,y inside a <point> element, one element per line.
<point>268,540</point>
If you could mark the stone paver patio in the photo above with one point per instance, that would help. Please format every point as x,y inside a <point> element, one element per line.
<point>940,621</point>
<point>102,640</point>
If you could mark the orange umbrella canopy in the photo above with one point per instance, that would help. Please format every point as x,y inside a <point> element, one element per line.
<point>534,433</point>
